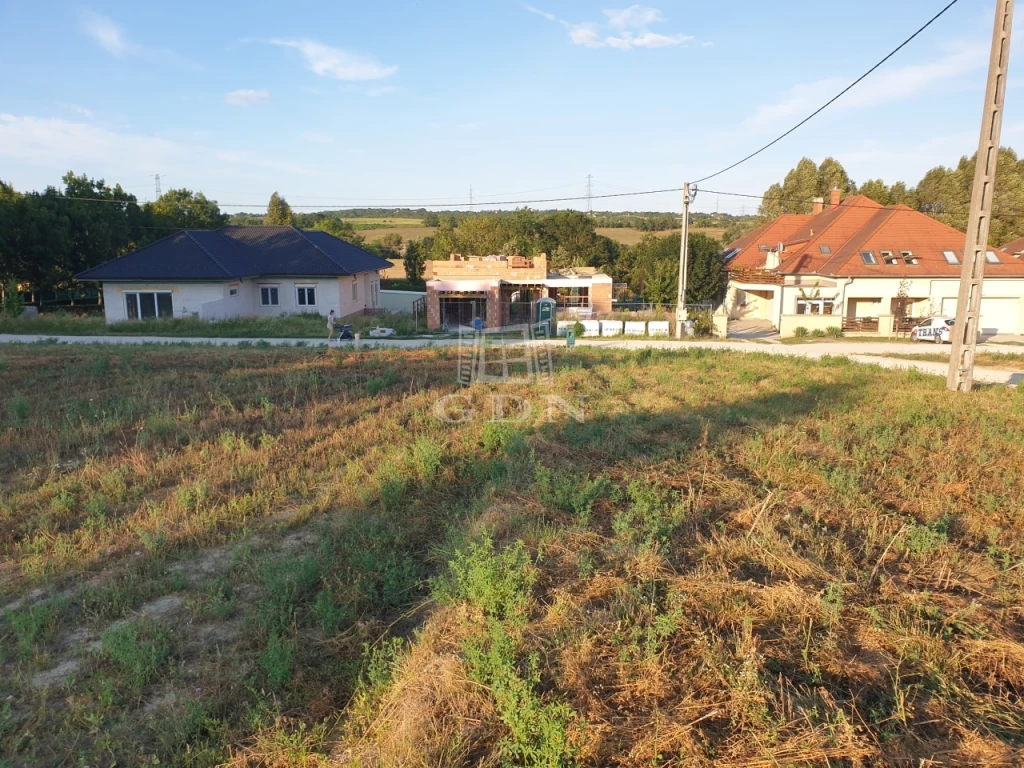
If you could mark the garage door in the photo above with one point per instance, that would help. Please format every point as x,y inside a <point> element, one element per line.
<point>998,315</point>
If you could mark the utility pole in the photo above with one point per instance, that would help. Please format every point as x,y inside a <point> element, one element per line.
<point>683,247</point>
<point>470,195</point>
<point>589,209</point>
<point>157,179</point>
<point>972,275</point>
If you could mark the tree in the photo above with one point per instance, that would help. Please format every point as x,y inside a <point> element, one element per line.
<point>389,246</point>
<point>568,237</point>
<point>771,204</point>
<point>443,245</point>
<point>832,175</point>
<point>876,190</point>
<point>706,279</point>
<point>184,209</point>
<point>414,260</point>
<point>341,229</point>
<point>800,187</point>
<point>278,211</point>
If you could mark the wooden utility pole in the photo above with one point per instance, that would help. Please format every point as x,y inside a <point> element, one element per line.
<point>683,246</point>
<point>968,308</point>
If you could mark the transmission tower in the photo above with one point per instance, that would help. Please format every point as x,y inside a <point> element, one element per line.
<point>156,178</point>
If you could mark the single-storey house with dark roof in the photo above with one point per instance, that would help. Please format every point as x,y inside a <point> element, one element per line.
<point>240,272</point>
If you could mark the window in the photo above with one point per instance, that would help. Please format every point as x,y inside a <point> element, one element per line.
<point>232,291</point>
<point>143,306</point>
<point>825,249</point>
<point>306,296</point>
<point>991,258</point>
<point>868,257</point>
<point>268,296</point>
<point>762,248</point>
<point>909,258</point>
<point>950,257</point>
<point>888,257</point>
<point>731,255</point>
<point>814,306</point>
<point>355,289</point>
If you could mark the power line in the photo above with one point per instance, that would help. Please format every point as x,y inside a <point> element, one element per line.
<point>834,99</point>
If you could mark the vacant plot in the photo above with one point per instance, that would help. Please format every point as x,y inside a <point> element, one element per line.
<point>385,222</point>
<point>288,557</point>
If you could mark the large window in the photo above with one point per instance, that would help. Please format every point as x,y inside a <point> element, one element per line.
<point>143,306</point>
<point>573,298</point>
<point>268,296</point>
<point>306,296</point>
<point>814,306</point>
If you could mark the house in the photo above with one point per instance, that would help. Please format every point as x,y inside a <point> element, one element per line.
<point>865,268</point>
<point>503,290</point>
<point>240,272</point>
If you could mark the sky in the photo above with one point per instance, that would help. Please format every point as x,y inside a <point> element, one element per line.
<point>338,104</point>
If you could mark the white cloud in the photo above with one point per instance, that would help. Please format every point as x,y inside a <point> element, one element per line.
<point>337,63</point>
<point>247,97</point>
<point>383,90</point>
<point>883,87</point>
<point>111,38</point>
<point>539,12</point>
<point>63,144</point>
<point>253,161</point>
<point>107,34</point>
<point>624,29</point>
<point>634,17</point>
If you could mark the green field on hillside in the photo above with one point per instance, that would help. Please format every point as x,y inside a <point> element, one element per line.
<point>298,557</point>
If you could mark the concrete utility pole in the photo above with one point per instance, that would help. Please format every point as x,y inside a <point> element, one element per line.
<point>968,308</point>
<point>683,247</point>
<point>589,207</point>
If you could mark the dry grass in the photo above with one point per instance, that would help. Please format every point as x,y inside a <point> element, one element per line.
<point>407,232</point>
<point>282,557</point>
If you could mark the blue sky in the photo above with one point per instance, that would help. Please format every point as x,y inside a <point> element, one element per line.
<point>343,103</point>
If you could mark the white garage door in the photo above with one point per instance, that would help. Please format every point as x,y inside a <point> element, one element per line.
<point>998,315</point>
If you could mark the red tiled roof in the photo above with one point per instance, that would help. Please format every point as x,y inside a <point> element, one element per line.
<point>860,224</point>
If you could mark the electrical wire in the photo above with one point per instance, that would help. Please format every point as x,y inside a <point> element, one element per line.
<point>834,99</point>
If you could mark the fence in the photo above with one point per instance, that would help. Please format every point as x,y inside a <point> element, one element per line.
<point>860,325</point>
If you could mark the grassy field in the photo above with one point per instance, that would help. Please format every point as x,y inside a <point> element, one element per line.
<point>630,236</point>
<point>306,326</point>
<point>372,223</point>
<point>287,557</point>
<point>407,233</point>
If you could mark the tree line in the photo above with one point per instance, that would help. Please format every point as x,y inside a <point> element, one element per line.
<point>943,193</point>
<point>47,237</point>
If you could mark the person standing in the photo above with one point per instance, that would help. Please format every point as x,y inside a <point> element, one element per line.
<point>330,326</point>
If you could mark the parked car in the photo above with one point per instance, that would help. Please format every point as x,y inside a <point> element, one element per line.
<point>380,331</point>
<point>936,329</point>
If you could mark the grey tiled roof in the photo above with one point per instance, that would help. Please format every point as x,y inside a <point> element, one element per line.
<point>235,252</point>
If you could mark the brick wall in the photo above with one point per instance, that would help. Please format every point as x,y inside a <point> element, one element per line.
<point>601,297</point>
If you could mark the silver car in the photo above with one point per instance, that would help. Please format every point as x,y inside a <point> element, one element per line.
<point>936,329</point>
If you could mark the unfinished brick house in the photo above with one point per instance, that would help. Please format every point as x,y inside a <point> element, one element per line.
<point>503,291</point>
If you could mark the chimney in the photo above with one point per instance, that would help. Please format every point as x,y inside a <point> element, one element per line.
<point>835,199</point>
<point>819,205</point>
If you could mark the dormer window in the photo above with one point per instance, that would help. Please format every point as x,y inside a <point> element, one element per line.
<point>888,257</point>
<point>868,257</point>
<point>909,258</point>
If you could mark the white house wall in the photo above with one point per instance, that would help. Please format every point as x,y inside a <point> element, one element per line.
<point>213,301</point>
<point>934,296</point>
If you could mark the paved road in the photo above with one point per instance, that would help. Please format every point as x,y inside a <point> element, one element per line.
<point>870,352</point>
